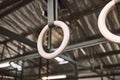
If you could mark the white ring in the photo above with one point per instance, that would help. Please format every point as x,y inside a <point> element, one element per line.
<point>64,43</point>
<point>102,25</point>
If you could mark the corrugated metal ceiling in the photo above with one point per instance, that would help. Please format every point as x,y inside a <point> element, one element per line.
<point>81,17</point>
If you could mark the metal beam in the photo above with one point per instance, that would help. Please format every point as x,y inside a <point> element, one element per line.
<point>86,44</point>
<point>17,5</point>
<point>24,40</point>
<point>28,55</point>
<point>100,55</point>
<point>17,37</point>
<point>70,77</point>
<point>108,67</point>
<point>33,44</point>
<point>80,14</point>
<point>82,70</point>
<point>86,12</point>
<point>68,59</point>
<point>22,34</point>
<point>31,55</point>
<point>7,3</point>
<point>96,76</point>
<point>35,54</point>
<point>6,73</point>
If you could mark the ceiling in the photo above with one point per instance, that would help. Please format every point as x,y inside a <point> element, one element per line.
<point>88,52</point>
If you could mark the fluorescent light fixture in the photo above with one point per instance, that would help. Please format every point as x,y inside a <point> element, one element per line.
<point>54,77</point>
<point>59,59</point>
<point>7,64</point>
<point>3,65</point>
<point>7,77</point>
<point>64,62</point>
<point>83,51</point>
<point>19,69</point>
<point>14,65</point>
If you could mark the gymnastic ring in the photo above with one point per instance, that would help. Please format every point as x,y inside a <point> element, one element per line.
<point>102,25</point>
<point>64,43</point>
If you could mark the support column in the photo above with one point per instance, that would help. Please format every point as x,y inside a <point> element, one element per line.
<point>15,78</point>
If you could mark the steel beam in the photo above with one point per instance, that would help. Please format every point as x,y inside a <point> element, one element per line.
<point>35,54</point>
<point>96,76</point>
<point>40,68</point>
<point>16,74</point>
<point>68,59</point>
<point>7,3</point>
<point>18,5</point>
<point>100,55</point>
<point>3,73</point>
<point>29,55</point>
<point>83,69</point>
<point>86,44</point>
<point>24,40</point>
<point>87,69</point>
<point>70,77</point>
<point>17,37</point>
<point>86,12</point>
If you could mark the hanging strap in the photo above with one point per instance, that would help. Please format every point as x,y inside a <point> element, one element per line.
<point>52,12</point>
<point>52,17</point>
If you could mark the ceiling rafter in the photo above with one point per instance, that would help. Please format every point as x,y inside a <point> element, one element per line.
<point>87,41</point>
<point>7,3</point>
<point>33,44</point>
<point>20,4</point>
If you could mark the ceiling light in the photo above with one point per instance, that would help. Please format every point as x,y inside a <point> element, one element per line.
<point>59,59</point>
<point>64,62</point>
<point>7,77</point>
<point>3,65</point>
<point>14,65</point>
<point>54,77</point>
